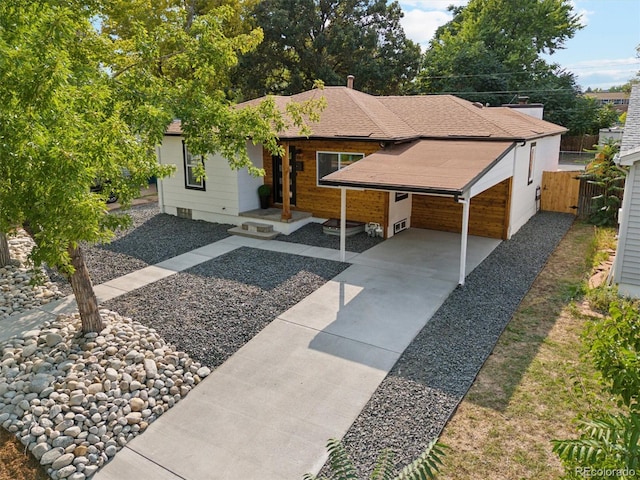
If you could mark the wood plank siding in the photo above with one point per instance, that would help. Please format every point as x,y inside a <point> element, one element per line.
<point>324,202</point>
<point>488,215</point>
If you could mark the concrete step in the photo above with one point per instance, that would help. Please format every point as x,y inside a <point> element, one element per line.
<point>257,227</point>
<point>253,234</point>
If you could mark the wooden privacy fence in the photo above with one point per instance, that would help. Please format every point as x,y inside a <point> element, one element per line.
<point>567,192</point>
<point>578,143</point>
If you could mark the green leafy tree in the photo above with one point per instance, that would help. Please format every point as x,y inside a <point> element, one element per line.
<point>491,51</point>
<point>425,467</point>
<point>88,88</point>
<point>309,40</point>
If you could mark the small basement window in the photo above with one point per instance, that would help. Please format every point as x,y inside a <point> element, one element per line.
<point>329,162</point>
<point>191,164</point>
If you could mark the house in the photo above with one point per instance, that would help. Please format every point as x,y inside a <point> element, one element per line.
<point>626,268</point>
<point>619,100</point>
<point>428,161</point>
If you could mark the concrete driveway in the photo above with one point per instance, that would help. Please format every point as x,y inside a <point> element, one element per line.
<point>269,410</point>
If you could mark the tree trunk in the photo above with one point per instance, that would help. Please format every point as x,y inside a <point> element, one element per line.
<point>83,291</point>
<point>4,250</point>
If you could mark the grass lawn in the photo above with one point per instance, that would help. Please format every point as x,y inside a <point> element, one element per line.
<point>534,384</point>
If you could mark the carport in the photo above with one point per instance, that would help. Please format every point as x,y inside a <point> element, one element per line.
<point>459,169</point>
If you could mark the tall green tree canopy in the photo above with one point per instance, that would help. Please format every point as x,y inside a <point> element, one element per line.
<point>88,88</point>
<point>308,40</point>
<point>491,50</point>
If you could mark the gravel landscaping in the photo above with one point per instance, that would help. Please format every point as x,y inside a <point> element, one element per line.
<point>214,308</point>
<point>153,237</point>
<point>412,405</point>
<point>311,234</point>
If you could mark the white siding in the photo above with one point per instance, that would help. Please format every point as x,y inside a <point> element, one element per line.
<point>627,271</point>
<point>220,196</point>
<point>247,184</point>
<point>501,171</point>
<point>523,196</point>
<point>398,211</point>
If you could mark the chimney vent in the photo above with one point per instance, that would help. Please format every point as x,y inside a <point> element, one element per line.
<point>350,79</point>
<point>522,100</point>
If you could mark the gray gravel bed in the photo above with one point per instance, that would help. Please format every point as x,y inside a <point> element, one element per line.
<point>311,234</point>
<point>152,237</point>
<point>213,309</point>
<point>412,405</point>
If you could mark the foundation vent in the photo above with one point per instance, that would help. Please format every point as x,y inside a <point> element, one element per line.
<point>184,213</point>
<point>399,226</point>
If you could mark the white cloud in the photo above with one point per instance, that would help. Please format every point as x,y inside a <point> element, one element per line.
<point>582,12</point>
<point>420,25</point>
<point>604,73</point>
<point>433,4</point>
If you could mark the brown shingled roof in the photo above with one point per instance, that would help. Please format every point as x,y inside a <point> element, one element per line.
<point>354,114</point>
<point>424,166</point>
<point>349,114</point>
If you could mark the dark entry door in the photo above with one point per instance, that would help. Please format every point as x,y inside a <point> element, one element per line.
<point>277,177</point>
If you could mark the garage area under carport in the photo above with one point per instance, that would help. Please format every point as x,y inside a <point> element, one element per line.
<point>443,176</point>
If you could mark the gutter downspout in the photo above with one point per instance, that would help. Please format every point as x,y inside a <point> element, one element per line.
<point>343,224</point>
<point>159,183</point>
<point>463,241</point>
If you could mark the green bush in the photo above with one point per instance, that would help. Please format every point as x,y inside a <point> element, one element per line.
<point>424,467</point>
<point>609,444</point>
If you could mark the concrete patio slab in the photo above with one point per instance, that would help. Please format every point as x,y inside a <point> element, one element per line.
<point>20,323</point>
<point>427,252</point>
<point>65,305</point>
<point>145,276</point>
<point>269,410</point>
<point>215,249</point>
<point>327,254</point>
<point>182,262</point>
<point>105,292</point>
<point>275,396</point>
<point>384,308</point>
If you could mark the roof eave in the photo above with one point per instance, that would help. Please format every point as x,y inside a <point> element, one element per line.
<point>391,188</point>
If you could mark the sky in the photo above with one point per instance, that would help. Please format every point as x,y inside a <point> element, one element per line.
<point>601,55</point>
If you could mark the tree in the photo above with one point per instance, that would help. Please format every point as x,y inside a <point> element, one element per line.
<point>425,467</point>
<point>308,40</point>
<point>88,88</point>
<point>608,176</point>
<point>4,250</point>
<point>491,51</point>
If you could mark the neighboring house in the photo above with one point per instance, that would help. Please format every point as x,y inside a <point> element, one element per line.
<point>619,100</point>
<point>626,269</point>
<point>429,161</point>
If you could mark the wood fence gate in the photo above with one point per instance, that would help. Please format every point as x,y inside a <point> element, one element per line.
<point>560,192</point>
<point>568,192</point>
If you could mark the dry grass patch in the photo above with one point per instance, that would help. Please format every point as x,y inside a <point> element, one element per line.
<point>15,463</point>
<point>525,394</point>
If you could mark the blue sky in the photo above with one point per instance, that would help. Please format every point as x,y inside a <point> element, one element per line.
<point>601,55</point>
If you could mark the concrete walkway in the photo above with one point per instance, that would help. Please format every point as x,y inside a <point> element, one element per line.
<point>269,410</point>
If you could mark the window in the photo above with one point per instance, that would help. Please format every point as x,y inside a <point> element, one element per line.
<point>532,162</point>
<point>191,165</point>
<point>329,162</point>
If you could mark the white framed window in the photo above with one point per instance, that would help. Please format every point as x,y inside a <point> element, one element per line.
<point>329,162</point>
<point>191,164</point>
<point>532,163</point>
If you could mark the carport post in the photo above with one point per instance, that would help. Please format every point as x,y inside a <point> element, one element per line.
<point>463,240</point>
<point>343,224</point>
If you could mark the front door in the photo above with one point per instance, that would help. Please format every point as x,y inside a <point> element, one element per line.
<point>277,177</point>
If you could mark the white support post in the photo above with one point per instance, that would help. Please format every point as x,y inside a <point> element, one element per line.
<point>343,224</point>
<point>463,240</point>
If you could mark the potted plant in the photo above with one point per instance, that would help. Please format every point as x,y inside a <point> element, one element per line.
<point>264,192</point>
